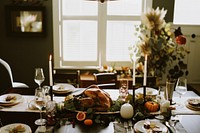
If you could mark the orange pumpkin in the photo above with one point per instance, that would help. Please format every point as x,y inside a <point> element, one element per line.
<point>152,106</point>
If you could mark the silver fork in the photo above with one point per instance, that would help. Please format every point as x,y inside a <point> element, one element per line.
<point>170,127</point>
<point>173,124</point>
<point>126,126</point>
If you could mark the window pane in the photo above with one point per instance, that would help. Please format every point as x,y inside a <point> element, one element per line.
<point>79,7</point>
<point>120,35</point>
<point>79,40</point>
<point>187,12</point>
<point>125,7</point>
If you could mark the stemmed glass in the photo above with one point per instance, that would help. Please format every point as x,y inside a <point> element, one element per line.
<point>39,76</point>
<point>181,88</point>
<point>40,104</point>
<point>160,100</point>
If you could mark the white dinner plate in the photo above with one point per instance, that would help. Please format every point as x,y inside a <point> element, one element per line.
<point>7,128</point>
<point>149,91</point>
<point>63,88</point>
<point>139,126</point>
<point>16,99</point>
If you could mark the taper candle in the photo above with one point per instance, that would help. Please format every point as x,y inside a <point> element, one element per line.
<point>133,72</point>
<point>145,71</point>
<point>50,71</point>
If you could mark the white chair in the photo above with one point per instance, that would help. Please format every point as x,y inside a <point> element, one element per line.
<point>7,73</point>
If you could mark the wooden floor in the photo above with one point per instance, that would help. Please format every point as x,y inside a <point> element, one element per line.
<point>195,88</point>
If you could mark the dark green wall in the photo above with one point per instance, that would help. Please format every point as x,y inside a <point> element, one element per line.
<point>25,53</point>
<point>166,4</point>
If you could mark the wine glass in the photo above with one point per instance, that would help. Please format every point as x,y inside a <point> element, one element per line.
<point>160,100</point>
<point>181,88</point>
<point>39,76</point>
<point>40,104</point>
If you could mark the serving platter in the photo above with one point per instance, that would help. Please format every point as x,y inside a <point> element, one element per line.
<point>98,112</point>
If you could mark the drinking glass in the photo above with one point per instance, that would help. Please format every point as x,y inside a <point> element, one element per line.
<point>181,88</point>
<point>39,76</point>
<point>169,89</point>
<point>123,89</point>
<point>40,104</point>
<point>160,100</point>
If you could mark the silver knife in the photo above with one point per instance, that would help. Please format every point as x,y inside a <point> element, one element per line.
<point>130,124</point>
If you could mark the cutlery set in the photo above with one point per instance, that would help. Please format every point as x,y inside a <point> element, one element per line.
<point>171,126</point>
<point>129,126</point>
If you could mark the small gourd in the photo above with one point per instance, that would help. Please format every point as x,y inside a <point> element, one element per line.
<point>152,106</point>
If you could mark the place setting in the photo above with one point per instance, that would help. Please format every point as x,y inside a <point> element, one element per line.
<point>10,99</point>
<point>193,104</point>
<point>63,88</point>
<point>16,128</point>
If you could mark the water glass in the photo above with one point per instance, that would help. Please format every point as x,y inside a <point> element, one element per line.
<point>181,89</point>
<point>123,89</point>
<point>170,86</point>
<point>181,86</point>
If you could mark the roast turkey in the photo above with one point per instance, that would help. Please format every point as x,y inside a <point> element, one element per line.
<point>95,98</point>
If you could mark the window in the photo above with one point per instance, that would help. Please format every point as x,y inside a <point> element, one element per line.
<point>187,16</point>
<point>190,15</point>
<point>89,34</point>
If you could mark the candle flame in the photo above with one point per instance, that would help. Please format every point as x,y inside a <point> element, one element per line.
<point>146,57</point>
<point>50,57</point>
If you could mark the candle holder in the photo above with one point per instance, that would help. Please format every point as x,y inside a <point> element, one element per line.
<point>144,93</point>
<point>51,92</point>
<point>133,95</point>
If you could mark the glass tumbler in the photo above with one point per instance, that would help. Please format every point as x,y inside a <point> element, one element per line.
<point>170,86</point>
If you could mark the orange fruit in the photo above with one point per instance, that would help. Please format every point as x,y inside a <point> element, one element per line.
<point>88,122</point>
<point>80,116</point>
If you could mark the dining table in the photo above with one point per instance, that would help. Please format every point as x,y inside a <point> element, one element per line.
<point>20,113</point>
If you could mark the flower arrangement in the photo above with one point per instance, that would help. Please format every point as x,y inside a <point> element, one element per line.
<point>165,47</point>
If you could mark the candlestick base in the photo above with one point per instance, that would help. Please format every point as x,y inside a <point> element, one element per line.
<point>51,92</point>
<point>144,93</point>
<point>133,94</point>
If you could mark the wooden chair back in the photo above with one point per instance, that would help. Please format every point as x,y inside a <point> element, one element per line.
<point>106,80</point>
<point>70,77</point>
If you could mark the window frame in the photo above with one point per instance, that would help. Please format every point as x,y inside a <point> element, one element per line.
<point>101,36</point>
